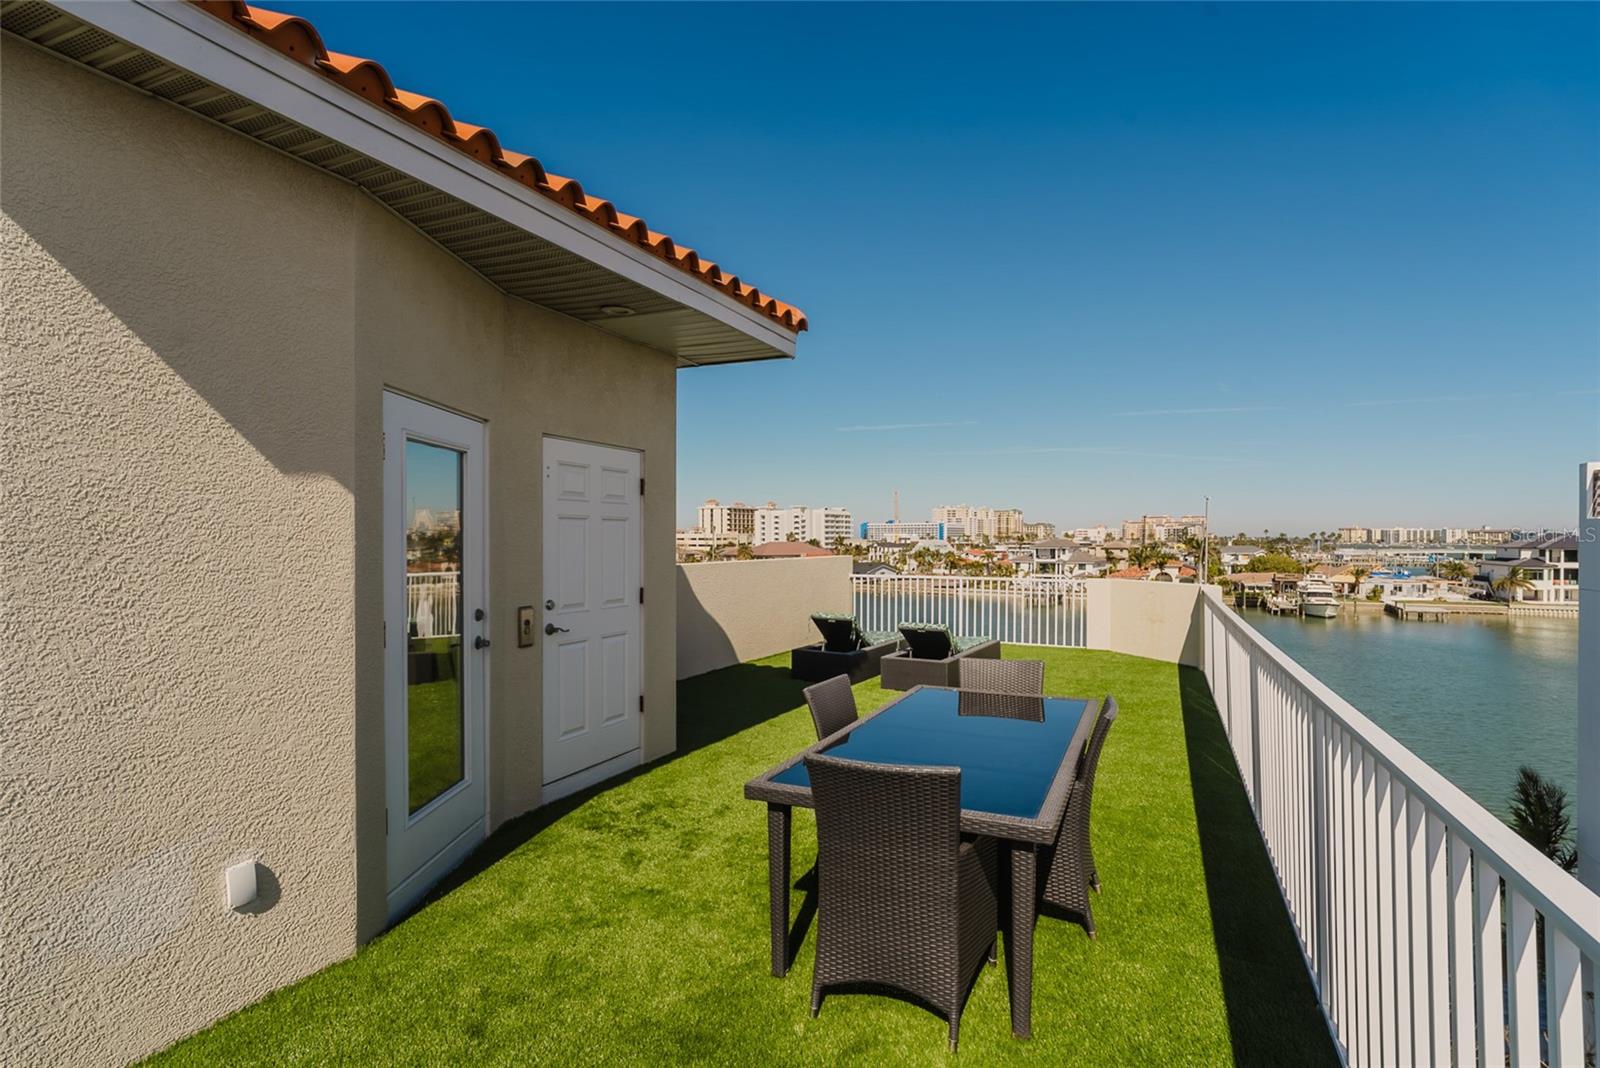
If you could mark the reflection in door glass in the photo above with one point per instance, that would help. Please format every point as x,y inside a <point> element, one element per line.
<point>434,742</point>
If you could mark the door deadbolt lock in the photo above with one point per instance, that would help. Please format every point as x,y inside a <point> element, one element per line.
<point>550,605</point>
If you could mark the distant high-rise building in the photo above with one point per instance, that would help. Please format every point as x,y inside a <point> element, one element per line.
<point>729,522</point>
<point>910,530</point>
<point>1156,528</point>
<point>826,525</point>
<point>1038,531</point>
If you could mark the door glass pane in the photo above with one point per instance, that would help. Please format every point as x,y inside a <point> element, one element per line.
<point>434,731</point>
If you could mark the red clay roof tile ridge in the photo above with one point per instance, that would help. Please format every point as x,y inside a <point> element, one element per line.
<point>299,40</point>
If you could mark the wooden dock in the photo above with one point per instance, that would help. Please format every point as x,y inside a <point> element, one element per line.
<point>1439,611</point>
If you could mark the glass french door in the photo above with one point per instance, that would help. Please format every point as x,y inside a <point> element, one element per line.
<point>436,642</point>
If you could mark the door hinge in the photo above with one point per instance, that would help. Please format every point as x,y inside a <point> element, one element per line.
<point>641,595</point>
<point>385,821</point>
<point>641,704</point>
<point>641,487</point>
<point>386,635</point>
<point>383,445</point>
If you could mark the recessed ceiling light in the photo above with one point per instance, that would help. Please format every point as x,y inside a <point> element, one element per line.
<point>616,311</point>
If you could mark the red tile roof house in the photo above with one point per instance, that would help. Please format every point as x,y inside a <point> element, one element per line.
<point>278,333</point>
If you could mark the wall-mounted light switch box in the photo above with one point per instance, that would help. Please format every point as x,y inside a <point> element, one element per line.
<point>525,625</point>
<point>241,880</point>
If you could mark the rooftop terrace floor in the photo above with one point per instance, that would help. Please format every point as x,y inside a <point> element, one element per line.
<point>630,923</point>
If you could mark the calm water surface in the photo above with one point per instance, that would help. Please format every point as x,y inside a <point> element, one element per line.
<point>1473,697</point>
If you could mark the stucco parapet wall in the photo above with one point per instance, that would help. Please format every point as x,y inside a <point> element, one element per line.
<point>1159,620</point>
<point>730,612</point>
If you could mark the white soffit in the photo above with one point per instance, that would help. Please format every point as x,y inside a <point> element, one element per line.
<point>522,243</point>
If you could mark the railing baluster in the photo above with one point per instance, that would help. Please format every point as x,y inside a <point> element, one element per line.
<point>1522,967</point>
<point>1416,951</point>
<point>1463,967</point>
<point>1367,852</point>
<point>1563,968</point>
<point>1384,912</point>
<point>1491,991</point>
<point>1401,996</point>
<point>1438,882</point>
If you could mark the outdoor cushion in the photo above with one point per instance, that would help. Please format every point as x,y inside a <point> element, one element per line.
<point>933,641</point>
<point>839,632</point>
<point>928,641</point>
<point>878,637</point>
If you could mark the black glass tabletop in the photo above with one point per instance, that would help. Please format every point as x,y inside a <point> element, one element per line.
<point>1008,748</point>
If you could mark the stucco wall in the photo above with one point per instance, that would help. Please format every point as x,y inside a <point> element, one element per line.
<point>179,567</point>
<point>1159,620</point>
<point>737,610</point>
<point>197,335</point>
<point>428,326</point>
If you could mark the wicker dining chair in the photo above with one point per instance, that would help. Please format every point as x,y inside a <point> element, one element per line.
<point>1069,866</point>
<point>833,705</point>
<point>1025,677</point>
<point>902,900</point>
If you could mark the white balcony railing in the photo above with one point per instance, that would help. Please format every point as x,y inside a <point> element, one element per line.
<point>1416,908</point>
<point>1038,610</point>
<point>433,603</point>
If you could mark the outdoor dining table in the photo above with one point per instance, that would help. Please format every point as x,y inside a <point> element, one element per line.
<point>1018,757</point>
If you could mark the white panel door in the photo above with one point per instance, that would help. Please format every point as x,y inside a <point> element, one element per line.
<point>435,642</point>
<point>592,617</point>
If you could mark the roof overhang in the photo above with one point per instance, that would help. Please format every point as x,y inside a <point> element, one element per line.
<point>520,242</point>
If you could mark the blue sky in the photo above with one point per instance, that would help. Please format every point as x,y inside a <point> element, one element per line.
<point>1328,264</point>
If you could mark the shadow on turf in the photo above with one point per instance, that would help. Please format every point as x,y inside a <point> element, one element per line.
<point>1273,1017</point>
<point>711,707</point>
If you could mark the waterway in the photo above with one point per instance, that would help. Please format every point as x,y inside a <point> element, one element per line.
<point>1476,697</point>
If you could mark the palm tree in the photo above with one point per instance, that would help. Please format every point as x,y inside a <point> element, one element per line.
<point>1453,569</point>
<point>1513,584</point>
<point>744,552</point>
<point>1539,814</point>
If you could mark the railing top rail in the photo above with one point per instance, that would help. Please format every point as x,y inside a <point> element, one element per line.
<point>1559,896</point>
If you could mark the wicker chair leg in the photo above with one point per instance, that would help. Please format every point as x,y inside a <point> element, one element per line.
<point>955,1029</point>
<point>816,998</point>
<point>994,951</point>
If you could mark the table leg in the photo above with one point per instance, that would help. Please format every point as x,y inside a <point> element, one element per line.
<point>1019,946</point>
<point>779,818</point>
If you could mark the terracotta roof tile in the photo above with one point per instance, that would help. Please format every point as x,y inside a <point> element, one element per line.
<point>299,40</point>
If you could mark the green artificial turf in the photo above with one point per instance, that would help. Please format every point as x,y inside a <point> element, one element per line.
<point>629,925</point>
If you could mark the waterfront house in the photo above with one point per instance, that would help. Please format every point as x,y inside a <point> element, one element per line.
<point>1402,584</point>
<point>1063,557</point>
<point>1339,576</point>
<point>1238,557</point>
<point>1549,564</point>
<point>316,392</point>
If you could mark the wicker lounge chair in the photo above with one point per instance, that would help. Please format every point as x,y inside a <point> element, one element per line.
<point>902,901</point>
<point>833,705</point>
<point>845,649</point>
<point>1003,676</point>
<point>933,656</point>
<point>1068,865</point>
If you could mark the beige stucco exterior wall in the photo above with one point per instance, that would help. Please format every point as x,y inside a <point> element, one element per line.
<point>737,610</point>
<point>197,332</point>
<point>1159,620</point>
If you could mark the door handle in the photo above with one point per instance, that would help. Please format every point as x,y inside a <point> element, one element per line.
<point>480,642</point>
<point>551,628</point>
